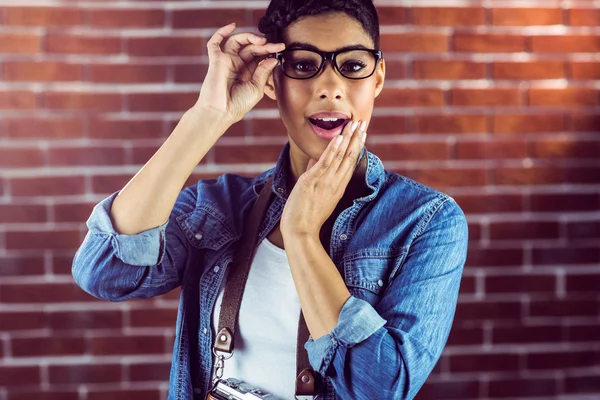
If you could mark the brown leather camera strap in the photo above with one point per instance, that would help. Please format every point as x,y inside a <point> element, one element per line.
<point>234,290</point>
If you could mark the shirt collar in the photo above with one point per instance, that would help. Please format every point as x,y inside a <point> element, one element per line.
<point>374,178</point>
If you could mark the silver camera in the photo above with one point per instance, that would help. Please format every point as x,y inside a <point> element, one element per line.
<point>234,389</point>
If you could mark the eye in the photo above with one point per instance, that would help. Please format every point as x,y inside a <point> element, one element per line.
<point>304,66</point>
<point>353,66</point>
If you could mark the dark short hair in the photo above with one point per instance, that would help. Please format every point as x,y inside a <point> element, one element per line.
<point>282,13</point>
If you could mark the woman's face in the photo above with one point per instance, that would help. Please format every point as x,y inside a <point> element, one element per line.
<point>327,92</point>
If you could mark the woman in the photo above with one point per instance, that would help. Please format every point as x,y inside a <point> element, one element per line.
<point>373,259</point>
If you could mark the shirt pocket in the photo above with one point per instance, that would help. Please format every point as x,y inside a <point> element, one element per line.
<point>206,228</point>
<point>369,272</point>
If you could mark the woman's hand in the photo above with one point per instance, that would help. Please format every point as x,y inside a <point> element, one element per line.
<point>318,190</point>
<point>236,79</point>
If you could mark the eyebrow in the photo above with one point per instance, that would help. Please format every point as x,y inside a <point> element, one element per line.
<point>308,46</point>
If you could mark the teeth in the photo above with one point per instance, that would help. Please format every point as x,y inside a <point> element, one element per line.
<point>328,119</point>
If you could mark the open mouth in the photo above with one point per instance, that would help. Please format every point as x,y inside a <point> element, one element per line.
<point>327,123</point>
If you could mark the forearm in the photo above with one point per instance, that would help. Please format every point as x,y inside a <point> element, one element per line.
<point>321,289</point>
<point>148,199</point>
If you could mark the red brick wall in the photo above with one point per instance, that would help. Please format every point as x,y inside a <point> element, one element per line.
<point>494,104</point>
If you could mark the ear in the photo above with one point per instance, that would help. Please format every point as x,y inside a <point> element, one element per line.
<point>380,77</point>
<point>270,85</point>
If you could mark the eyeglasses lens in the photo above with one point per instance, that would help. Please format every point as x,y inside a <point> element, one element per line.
<point>304,64</point>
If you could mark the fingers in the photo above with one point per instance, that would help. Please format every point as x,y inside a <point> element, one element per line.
<point>214,43</point>
<point>334,153</point>
<point>250,53</point>
<point>262,72</point>
<point>353,150</point>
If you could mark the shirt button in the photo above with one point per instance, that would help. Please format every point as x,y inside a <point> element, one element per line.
<point>280,190</point>
<point>216,268</point>
<point>380,283</point>
<point>198,236</point>
<point>205,330</point>
<point>343,236</point>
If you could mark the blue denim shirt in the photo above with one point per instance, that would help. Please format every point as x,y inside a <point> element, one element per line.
<point>400,249</point>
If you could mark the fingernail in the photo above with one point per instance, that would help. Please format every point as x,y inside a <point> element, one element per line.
<point>364,138</point>
<point>363,125</point>
<point>353,126</point>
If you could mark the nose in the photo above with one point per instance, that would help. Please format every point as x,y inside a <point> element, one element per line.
<point>329,82</point>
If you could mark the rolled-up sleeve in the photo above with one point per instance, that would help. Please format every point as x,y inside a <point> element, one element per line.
<point>116,267</point>
<point>388,351</point>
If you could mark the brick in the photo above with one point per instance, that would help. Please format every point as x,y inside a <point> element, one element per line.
<point>44,128</point>
<point>208,18</point>
<point>42,16</point>
<point>490,150</point>
<point>486,97</point>
<point>48,394</point>
<point>41,71</point>
<point>80,44</point>
<point>563,308</point>
<point>565,44</point>
<point>584,17</point>
<point>105,345</point>
<point>468,284</point>
<point>583,229</point>
<point>526,16</point>
<point>47,346</point>
<point>583,175</point>
<point>523,230</point>
<point>72,212</point>
<point>520,284</point>
<point>82,101</point>
<point>562,360</point>
<point>392,124</point>
<point>125,18</point>
<point>43,292</point>
<point>84,156</point>
<point>583,333</point>
<point>84,373</point>
<point>108,184</point>
<point>244,154</point>
<point>160,102</point>
<point>565,255</point>
<point>127,73</point>
<point>565,148</point>
<point>585,70</point>
<point>484,257</point>
<point>526,334</point>
<point>529,70</point>
<point>84,320</point>
<point>40,240</point>
<point>20,43</point>
<point>125,394</point>
<point>23,213</point>
<point>389,15</point>
<point>22,320</point>
<point>21,158</point>
<point>455,389</point>
<point>465,336</point>
<point>167,46</point>
<point>189,73</point>
<point>19,375</point>
<point>149,372</point>
<point>141,154</point>
<point>411,151</point>
<point>259,127</point>
<point>582,384</point>
<point>564,202</point>
<point>485,203</point>
<point>17,100</point>
<point>415,42</point>
<point>156,317</point>
<point>528,176</point>
<point>61,265</point>
<point>582,283</point>
<point>451,124</point>
<point>411,98</point>
<point>434,69</point>
<point>474,232</point>
<point>47,186</point>
<point>488,43</point>
<point>126,129</point>
<point>523,387</point>
<point>484,362</point>
<point>514,123</point>
<point>448,16</point>
<point>563,97</point>
<point>395,69</point>
<point>493,311</point>
<point>439,179</point>
<point>21,265</point>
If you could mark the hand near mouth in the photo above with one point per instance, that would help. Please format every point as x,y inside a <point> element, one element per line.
<point>318,190</point>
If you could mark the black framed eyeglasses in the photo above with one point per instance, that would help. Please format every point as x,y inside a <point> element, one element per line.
<point>306,64</point>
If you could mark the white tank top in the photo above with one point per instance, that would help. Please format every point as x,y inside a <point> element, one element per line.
<point>267,332</point>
